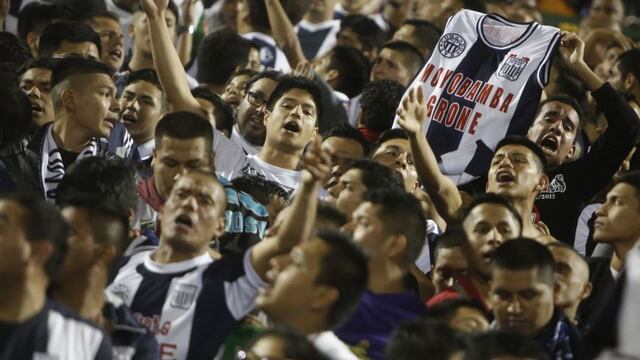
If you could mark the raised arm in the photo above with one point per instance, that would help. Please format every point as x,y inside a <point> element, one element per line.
<point>188,22</point>
<point>441,189</point>
<point>283,33</point>
<point>316,166</point>
<point>165,58</point>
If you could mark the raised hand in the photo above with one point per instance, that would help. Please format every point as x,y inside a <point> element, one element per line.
<point>304,69</point>
<point>572,50</point>
<point>188,12</point>
<point>413,111</point>
<point>315,163</point>
<point>154,8</point>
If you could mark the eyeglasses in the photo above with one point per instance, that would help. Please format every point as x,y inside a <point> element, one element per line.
<point>256,99</point>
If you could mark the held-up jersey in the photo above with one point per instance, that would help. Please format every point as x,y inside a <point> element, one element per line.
<point>482,83</point>
<point>271,56</point>
<point>190,306</point>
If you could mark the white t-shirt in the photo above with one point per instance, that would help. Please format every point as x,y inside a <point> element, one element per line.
<point>239,140</point>
<point>330,346</point>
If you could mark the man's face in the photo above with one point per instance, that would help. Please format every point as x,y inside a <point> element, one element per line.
<point>515,173</point>
<point>353,6</point>
<point>389,65</point>
<point>292,122</point>
<point>369,231</point>
<point>604,68</point>
<point>321,66</point>
<point>235,90</point>
<point>572,276</point>
<point>36,83</point>
<point>469,320</point>
<point>85,49</point>
<point>487,226</point>
<point>96,109</point>
<point>174,156</point>
<point>450,264</point>
<point>617,218</point>
<point>111,40</point>
<point>251,111</point>
<point>253,60</point>
<point>230,13</point>
<point>348,37</point>
<point>298,277</point>
<point>607,11</point>
<point>15,249</point>
<point>141,104</point>
<point>554,130</point>
<point>342,151</point>
<point>616,79</point>
<point>351,191</point>
<point>194,213</point>
<point>521,303</point>
<point>79,257</point>
<point>139,30</point>
<point>396,154</point>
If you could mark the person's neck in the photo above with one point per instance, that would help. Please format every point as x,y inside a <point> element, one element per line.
<point>22,302</point>
<point>68,137</point>
<point>312,324</point>
<point>621,248</point>
<point>142,139</point>
<point>84,293</point>
<point>166,255</point>
<point>481,283</point>
<point>284,159</point>
<point>215,88</point>
<point>386,278</point>
<point>525,208</point>
<point>570,311</point>
<point>318,17</point>
<point>141,60</point>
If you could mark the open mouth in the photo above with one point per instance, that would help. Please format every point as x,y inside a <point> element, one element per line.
<point>549,143</point>
<point>35,107</point>
<point>115,54</point>
<point>505,177</point>
<point>129,118</point>
<point>184,220</point>
<point>292,126</point>
<point>233,101</point>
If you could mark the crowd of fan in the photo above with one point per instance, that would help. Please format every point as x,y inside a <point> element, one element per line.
<point>221,179</point>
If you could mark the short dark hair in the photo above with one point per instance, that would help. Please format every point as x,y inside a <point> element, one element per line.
<point>416,338</point>
<point>493,344</point>
<point>401,214</point>
<point>104,14</point>
<point>523,141</point>
<point>214,68</point>
<point>330,214</point>
<point>412,54</point>
<point>566,99</point>
<point>184,125</point>
<point>296,346</point>
<point>452,238</point>
<point>475,5</point>
<point>222,112</point>
<point>74,32</point>
<point>288,82</point>
<point>427,33</point>
<point>107,188</point>
<point>35,17</point>
<point>446,310</point>
<point>559,244</point>
<point>268,74</point>
<point>629,63</point>
<point>41,63</point>
<point>16,120</point>
<point>377,176</point>
<point>246,72</point>
<point>368,32</point>
<point>42,222</point>
<point>523,254</point>
<point>387,135</point>
<point>346,268</point>
<point>347,131</point>
<point>492,198</point>
<point>631,178</point>
<point>148,75</point>
<point>13,50</point>
<point>379,102</point>
<point>353,68</point>
<point>261,189</point>
<point>76,65</point>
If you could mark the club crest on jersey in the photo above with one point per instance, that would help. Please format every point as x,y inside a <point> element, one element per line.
<point>183,295</point>
<point>513,67</point>
<point>451,45</point>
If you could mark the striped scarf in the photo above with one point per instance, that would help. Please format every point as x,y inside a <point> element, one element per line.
<point>51,166</point>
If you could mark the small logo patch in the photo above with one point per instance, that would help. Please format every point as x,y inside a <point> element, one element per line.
<point>183,296</point>
<point>451,45</point>
<point>513,67</point>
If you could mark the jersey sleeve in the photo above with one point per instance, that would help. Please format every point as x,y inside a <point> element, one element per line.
<point>229,157</point>
<point>241,293</point>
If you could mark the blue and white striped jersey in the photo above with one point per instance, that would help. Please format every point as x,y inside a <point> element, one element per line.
<point>483,82</point>
<point>55,333</point>
<point>190,306</point>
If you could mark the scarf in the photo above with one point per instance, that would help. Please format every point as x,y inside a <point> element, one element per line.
<point>51,166</point>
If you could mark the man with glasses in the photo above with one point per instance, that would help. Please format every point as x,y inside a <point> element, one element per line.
<point>107,25</point>
<point>249,131</point>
